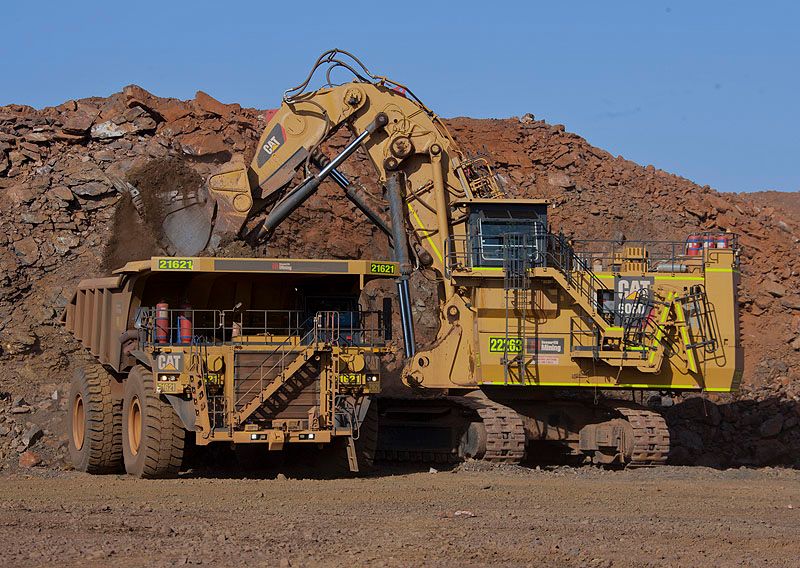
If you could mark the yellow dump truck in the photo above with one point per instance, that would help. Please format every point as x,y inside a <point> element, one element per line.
<point>244,351</point>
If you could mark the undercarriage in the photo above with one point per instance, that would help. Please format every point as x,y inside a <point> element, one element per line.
<point>557,428</point>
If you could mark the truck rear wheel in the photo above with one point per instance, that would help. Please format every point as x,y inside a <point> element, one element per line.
<point>153,437</point>
<point>94,422</point>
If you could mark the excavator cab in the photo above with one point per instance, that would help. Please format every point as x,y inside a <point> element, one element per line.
<point>499,230</point>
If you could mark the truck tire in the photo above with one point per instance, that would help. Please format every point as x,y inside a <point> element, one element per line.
<point>94,422</point>
<point>153,438</point>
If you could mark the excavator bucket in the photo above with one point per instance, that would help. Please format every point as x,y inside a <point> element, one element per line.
<point>182,223</point>
<point>187,228</point>
<point>216,213</point>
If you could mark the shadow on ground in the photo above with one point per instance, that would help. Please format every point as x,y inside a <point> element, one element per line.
<point>736,433</point>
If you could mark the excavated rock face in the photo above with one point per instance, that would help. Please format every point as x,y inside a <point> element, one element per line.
<point>60,168</point>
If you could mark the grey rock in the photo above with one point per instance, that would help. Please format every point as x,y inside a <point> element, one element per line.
<point>92,189</point>
<point>34,218</point>
<point>108,129</point>
<point>64,242</point>
<point>774,288</point>
<point>31,436</point>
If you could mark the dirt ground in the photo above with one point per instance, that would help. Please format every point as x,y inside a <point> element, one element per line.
<point>474,515</point>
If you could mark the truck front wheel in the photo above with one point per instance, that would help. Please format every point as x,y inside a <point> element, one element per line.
<point>153,437</point>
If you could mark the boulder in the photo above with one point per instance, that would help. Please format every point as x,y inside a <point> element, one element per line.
<point>792,302</point>
<point>158,108</point>
<point>204,144</point>
<point>27,250</point>
<point>210,105</point>
<point>64,242</point>
<point>62,193</point>
<point>564,161</point>
<point>774,288</point>
<point>690,440</point>
<point>29,459</point>
<point>771,427</point>
<point>34,217</point>
<point>31,436</point>
<point>560,179</point>
<point>109,129</point>
<point>21,194</point>
<point>78,122</point>
<point>92,189</point>
<point>769,451</point>
<point>39,136</point>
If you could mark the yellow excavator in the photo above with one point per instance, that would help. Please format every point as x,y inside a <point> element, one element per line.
<point>537,331</point>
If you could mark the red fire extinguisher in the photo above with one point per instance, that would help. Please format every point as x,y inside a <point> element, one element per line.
<point>694,245</point>
<point>162,322</point>
<point>185,325</point>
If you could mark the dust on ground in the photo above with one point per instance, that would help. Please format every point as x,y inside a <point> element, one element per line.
<point>470,516</point>
<point>135,236</point>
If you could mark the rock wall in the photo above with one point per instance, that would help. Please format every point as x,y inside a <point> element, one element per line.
<point>60,168</point>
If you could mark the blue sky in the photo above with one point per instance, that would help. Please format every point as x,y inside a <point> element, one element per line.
<point>707,90</point>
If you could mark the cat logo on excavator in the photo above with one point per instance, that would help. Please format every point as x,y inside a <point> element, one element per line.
<point>274,140</point>
<point>627,296</point>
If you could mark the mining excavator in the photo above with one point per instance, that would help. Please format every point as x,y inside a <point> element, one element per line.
<point>540,334</point>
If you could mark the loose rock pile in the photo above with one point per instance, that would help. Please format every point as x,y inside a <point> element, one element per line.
<point>61,170</point>
<point>31,435</point>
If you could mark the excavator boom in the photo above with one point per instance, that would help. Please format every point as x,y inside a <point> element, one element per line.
<point>291,145</point>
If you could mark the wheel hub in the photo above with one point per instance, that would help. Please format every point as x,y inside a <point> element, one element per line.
<point>78,422</point>
<point>135,425</point>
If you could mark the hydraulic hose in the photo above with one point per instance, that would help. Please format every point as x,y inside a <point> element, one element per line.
<point>400,241</point>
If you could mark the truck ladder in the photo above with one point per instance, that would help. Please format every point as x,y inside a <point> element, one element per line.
<point>328,330</point>
<point>197,375</point>
<point>290,365</point>
<point>516,285</point>
<point>287,367</point>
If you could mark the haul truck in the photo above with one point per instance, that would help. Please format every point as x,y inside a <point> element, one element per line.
<point>537,331</point>
<point>266,352</point>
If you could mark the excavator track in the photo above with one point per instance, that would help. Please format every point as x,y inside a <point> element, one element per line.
<point>505,432</point>
<point>650,437</point>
